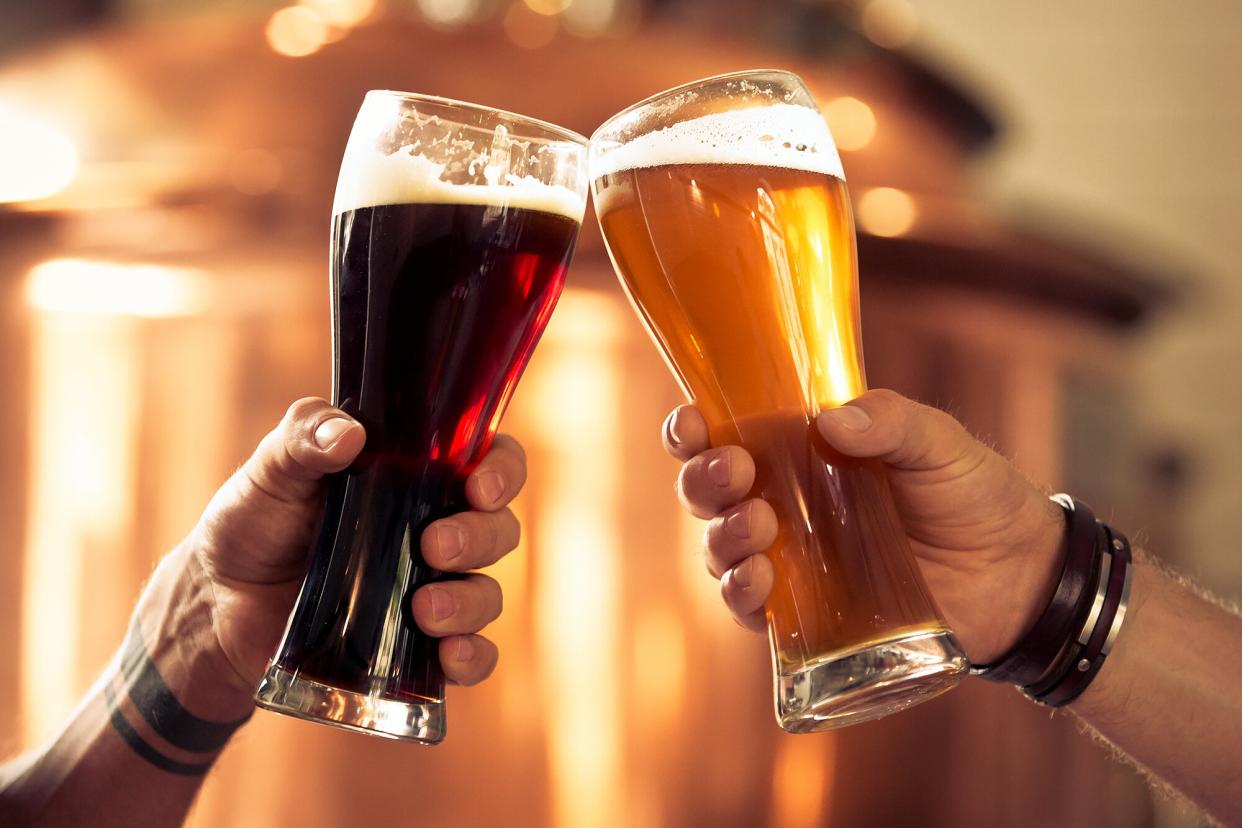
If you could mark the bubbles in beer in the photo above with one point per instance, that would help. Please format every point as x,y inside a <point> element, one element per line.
<point>780,135</point>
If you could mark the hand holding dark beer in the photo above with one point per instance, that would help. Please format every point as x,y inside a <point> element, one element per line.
<point>251,545</point>
<point>987,541</point>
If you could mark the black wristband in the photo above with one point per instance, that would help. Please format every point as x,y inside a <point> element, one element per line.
<point>1042,650</point>
<point>1097,639</point>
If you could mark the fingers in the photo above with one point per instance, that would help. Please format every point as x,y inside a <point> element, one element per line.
<point>715,480</point>
<point>684,433</point>
<point>745,587</point>
<point>470,540</point>
<point>901,432</point>
<point>499,477</point>
<point>737,534</point>
<point>312,440</point>
<point>455,607</point>
<point>467,659</point>
<point>455,611</point>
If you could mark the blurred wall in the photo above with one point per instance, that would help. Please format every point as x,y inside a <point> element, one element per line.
<point>1127,116</point>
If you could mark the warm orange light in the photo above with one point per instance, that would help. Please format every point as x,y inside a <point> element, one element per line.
<point>548,7</point>
<point>589,18</point>
<point>297,31</point>
<point>659,667</point>
<point>85,377</point>
<point>801,780</point>
<point>115,289</point>
<point>341,13</point>
<point>448,12</point>
<point>528,29</point>
<point>36,160</point>
<point>577,392</point>
<point>852,123</point>
<point>886,211</point>
<point>890,23</point>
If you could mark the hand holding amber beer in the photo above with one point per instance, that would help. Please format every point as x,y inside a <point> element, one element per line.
<point>724,208</point>
<point>987,541</point>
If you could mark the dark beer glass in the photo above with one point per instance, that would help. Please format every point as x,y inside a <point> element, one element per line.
<point>452,229</point>
<point>724,208</point>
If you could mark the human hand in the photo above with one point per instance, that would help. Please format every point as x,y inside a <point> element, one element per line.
<point>249,549</point>
<point>988,542</point>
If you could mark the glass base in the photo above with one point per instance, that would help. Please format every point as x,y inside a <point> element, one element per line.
<point>408,721</point>
<point>869,683</point>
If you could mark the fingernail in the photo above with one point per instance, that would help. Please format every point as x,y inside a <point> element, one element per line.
<point>465,648</point>
<point>850,416</point>
<point>441,603</point>
<point>491,486</point>
<point>738,523</point>
<point>670,430</point>
<point>718,470</point>
<point>743,572</point>
<point>329,431</point>
<point>451,542</point>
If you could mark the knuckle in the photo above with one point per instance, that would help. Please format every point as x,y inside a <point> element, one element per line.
<point>510,445</point>
<point>302,409</point>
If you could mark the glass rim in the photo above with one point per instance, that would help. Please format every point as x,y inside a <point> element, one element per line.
<point>682,87</point>
<point>563,133</point>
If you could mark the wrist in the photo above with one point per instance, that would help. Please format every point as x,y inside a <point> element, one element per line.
<point>175,622</point>
<point>1039,548</point>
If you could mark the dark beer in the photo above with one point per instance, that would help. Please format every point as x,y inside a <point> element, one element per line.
<point>437,308</point>
<point>452,227</point>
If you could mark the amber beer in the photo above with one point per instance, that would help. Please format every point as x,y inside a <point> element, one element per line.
<point>732,233</point>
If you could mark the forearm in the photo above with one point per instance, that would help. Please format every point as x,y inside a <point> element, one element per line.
<point>136,750</point>
<point>1170,694</point>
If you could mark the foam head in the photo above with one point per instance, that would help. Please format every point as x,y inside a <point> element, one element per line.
<point>435,161</point>
<point>776,135</point>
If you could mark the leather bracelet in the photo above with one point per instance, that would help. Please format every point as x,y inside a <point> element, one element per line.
<point>1044,649</point>
<point>1097,640</point>
<point>1073,646</point>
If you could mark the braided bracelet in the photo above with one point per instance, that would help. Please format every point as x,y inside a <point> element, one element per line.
<point>1066,647</point>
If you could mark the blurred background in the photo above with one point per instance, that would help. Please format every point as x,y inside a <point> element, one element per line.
<point>1047,197</point>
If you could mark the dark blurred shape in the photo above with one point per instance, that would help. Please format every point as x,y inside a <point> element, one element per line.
<point>26,24</point>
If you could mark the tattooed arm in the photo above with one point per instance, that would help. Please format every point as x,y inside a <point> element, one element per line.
<point>135,751</point>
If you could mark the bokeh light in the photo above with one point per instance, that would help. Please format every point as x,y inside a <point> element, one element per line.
<point>528,29</point>
<point>115,289</point>
<point>886,211</point>
<point>852,123</point>
<point>448,12</point>
<point>297,31</point>
<point>548,7</point>
<point>341,13</point>
<point>890,23</point>
<point>36,159</point>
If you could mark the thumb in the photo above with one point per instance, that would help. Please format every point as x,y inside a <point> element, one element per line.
<point>900,432</point>
<point>312,440</point>
<point>259,523</point>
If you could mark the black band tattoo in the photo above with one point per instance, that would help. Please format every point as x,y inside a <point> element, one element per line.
<point>161,710</point>
<point>140,746</point>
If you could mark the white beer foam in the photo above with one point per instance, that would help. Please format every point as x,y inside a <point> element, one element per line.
<point>779,135</point>
<point>371,178</point>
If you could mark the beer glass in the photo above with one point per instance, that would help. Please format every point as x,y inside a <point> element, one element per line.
<point>725,212</point>
<point>452,228</point>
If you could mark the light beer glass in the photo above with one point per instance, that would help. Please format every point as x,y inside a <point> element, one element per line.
<point>452,229</point>
<point>725,212</point>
